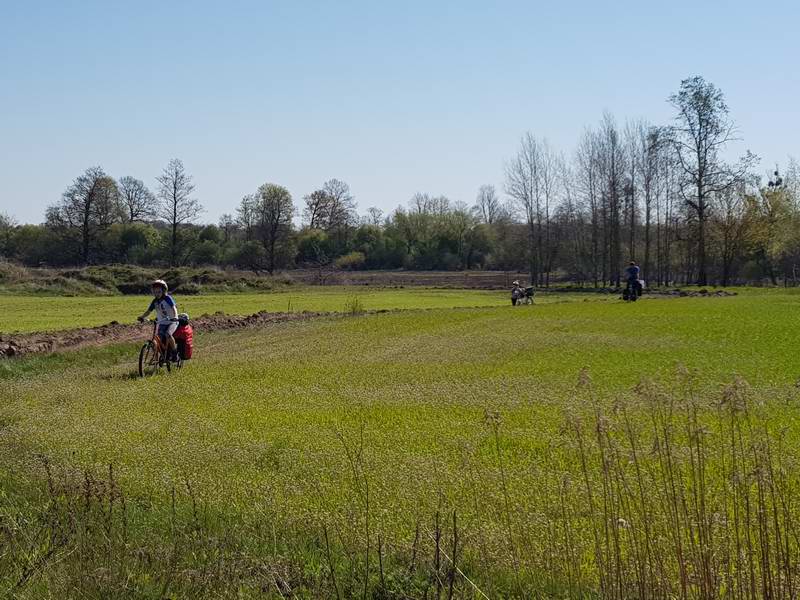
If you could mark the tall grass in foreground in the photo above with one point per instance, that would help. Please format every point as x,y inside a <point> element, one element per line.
<point>663,493</point>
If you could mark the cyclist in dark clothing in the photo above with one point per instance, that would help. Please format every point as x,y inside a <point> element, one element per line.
<point>632,273</point>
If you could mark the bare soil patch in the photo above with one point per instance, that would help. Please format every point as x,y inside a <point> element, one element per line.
<point>114,332</point>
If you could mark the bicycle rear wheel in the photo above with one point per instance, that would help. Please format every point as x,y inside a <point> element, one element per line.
<point>148,360</point>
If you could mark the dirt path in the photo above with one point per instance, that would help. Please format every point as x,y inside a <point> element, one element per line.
<point>113,333</point>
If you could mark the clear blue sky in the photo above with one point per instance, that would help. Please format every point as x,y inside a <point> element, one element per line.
<point>393,98</point>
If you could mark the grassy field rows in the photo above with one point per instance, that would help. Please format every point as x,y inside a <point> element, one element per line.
<point>326,458</point>
<point>41,313</point>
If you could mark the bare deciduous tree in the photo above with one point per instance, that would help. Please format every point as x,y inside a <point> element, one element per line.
<point>227,225</point>
<point>650,143</point>
<point>140,203</point>
<point>730,223</point>
<point>612,169</point>
<point>374,216</point>
<point>176,204</point>
<point>523,184</point>
<point>247,216</point>
<point>532,181</point>
<point>330,207</point>
<point>634,151</point>
<point>274,212</point>
<point>487,204</point>
<point>342,205</point>
<point>89,206</point>
<point>552,167</point>
<point>589,188</point>
<point>316,209</point>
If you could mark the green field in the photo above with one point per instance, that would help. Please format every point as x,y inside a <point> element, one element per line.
<point>315,459</point>
<point>40,313</point>
<point>43,313</point>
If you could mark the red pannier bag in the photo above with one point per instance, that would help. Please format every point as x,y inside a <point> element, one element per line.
<point>183,338</point>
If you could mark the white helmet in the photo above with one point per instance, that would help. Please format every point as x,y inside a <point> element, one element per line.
<point>160,283</point>
<point>515,282</point>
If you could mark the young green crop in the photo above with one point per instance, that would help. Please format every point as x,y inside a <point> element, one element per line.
<point>334,444</point>
<point>42,313</point>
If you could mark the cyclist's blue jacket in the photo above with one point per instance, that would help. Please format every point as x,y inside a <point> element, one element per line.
<point>166,309</point>
<point>632,273</point>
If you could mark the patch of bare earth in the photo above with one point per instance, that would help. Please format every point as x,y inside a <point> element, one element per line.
<point>114,333</point>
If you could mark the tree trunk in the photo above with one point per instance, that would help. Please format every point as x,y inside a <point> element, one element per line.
<point>85,248</point>
<point>632,233</point>
<point>702,278</point>
<point>606,277</point>
<point>174,249</point>
<point>595,257</point>
<point>86,233</point>
<point>539,255</point>
<point>271,250</point>
<point>616,241</point>
<point>647,234</point>
<point>532,252</point>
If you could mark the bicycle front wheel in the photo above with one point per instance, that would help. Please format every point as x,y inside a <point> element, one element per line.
<point>148,360</point>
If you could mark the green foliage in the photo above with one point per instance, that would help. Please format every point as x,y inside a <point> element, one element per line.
<point>207,252</point>
<point>210,233</point>
<point>314,247</point>
<point>354,306</point>
<point>351,261</point>
<point>126,279</point>
<point>35,245</point>
<point>250,255</point>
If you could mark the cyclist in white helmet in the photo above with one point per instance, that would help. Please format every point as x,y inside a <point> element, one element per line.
<point>166,314</point>
<point>517,292</point>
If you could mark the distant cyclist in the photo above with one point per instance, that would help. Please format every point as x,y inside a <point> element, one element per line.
<point>517,293</point>
<point>632,273</point>
<point>166,314</point>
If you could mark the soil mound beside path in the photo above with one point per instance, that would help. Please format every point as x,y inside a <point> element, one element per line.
<point>114,332</point>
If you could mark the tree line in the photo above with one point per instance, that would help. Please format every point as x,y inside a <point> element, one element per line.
<point>666,196</point>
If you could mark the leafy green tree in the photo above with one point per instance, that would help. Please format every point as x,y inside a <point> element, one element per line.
<point>250,255</point>
<point>314,247</point>
<point>37,246</point>
<point>211,233</point>
<point>206,252</point>
<point>774,228</point>
<point>130,242</point>
<point>352,261</point>
<point>699,137</point>
<point>7,227</point>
